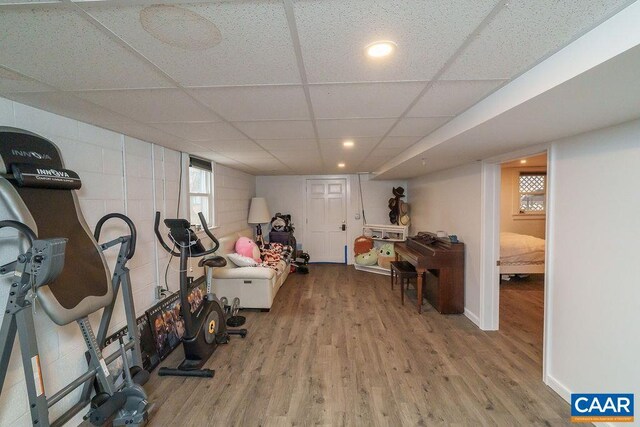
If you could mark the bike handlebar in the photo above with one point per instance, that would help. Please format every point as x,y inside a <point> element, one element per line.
<point>216,243</point>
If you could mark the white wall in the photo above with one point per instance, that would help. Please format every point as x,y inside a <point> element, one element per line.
<point>509,203</point>
<point>119,174</point>
<point>286,194</point>
<point>594,298</point>
<point>593,316</point>
<point>450,200</point>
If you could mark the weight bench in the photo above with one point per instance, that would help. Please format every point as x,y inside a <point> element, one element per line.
<point>52,256</point>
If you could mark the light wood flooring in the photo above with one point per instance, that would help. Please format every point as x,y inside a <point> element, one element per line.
<point>337,348</point>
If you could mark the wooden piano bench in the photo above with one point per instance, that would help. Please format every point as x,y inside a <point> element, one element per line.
<point>402,272</point>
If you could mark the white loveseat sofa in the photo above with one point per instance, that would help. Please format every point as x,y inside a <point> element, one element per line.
<point>255,286</point>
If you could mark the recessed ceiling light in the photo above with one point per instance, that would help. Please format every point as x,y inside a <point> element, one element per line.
<point>341,165</point>
<point>523,161</point>
<point>348,143</point>
<point>380,48</point>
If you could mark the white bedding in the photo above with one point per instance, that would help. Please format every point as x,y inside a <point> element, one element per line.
<point>520,248</point>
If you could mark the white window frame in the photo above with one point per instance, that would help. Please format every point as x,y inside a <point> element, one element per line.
<point>517,214</point>
<point>209,195</point>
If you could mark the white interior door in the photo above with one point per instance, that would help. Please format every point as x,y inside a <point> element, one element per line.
<point>326,220</point>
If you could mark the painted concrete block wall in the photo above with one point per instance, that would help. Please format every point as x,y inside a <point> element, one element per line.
<point>509,202</point>
<point>119,174</point>
<point>233,191</point>
<point>450,200</point>
<point>286,194</point>
<point>593,280</point>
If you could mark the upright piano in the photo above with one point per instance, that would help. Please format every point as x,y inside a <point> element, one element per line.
<point>440,267</point>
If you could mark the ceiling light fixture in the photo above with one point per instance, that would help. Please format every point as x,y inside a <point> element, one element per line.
<point>348,143</point>
<point>380,48</point>
<point>523,161</point>
<point>341,165</point>
<point>424,162</point>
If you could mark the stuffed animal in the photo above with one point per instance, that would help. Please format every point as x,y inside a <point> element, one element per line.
<point>362,244</point>
<point>386,254</point>
<point>368,258</point>
<point>247,247</point>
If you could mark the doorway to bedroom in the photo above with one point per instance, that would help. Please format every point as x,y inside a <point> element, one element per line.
<point>523,203</point>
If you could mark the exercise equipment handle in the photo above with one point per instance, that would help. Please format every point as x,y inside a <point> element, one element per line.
<point>130,224</point>
<point>156,229</point>
<point>205,227</point>
<point>21,227</point>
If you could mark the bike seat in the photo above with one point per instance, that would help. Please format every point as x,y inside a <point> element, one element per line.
<point>214,262</point>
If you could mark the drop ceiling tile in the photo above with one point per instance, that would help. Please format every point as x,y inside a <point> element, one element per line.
<point>449,98</point>
<point>209,44</point>
<point>10,81</point>
<point>386,152</point>
<point>362,100</point>
<point>219,146</point>
<point>333,35</point>
<point>247,155</point>
<point>211,155</point>
<point>372,163</point>
<point>68,105</point>
<point>273,129</point>
<point>295,154</point>
<point>150,134</point>
<point>418,126</point>
<point>286,144</point>
<point>151,105</point>
<point>351,128</point>
<point>59,47</point>
<point>361,147</point>
<point>526,32</point>
<point>200,131</point>
<point>399,141</point>
<point>248,103</point>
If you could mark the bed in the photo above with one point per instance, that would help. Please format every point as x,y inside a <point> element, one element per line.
<point>521,254</point>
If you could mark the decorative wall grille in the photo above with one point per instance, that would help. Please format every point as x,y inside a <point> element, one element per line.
<point>532,188</point>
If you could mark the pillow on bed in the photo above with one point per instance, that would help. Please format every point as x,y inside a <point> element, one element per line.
<point>242,261</point>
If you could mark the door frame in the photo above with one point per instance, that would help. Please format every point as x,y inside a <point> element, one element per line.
<point>490,244</point>
<point>347,179</point>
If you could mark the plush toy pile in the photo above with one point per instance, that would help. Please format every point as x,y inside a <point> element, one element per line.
<point>386,254</point>
<point>272,255</point>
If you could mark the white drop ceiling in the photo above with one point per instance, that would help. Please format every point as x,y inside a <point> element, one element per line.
<point>274,87</point>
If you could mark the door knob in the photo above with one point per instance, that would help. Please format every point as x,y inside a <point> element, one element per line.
<point>344,226</point>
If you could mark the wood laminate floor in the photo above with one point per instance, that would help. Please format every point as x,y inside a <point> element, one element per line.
<point>337,349</point>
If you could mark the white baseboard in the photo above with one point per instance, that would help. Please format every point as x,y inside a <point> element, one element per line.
<point>565,393</point>
<point>559,388</point>
<point>472,316</point>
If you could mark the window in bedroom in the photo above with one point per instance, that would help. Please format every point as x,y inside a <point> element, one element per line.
<point>532,187</point>
<point>200,191</point>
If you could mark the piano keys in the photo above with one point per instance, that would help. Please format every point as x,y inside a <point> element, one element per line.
<point>440,267</point>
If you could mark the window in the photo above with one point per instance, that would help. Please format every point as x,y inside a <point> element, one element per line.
<point>200,191</point>
<point>532,188</point>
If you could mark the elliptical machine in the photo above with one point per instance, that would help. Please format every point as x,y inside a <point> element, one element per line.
<point>205,329</point>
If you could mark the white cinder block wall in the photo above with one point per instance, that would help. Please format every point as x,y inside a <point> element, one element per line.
<point>119,174</point>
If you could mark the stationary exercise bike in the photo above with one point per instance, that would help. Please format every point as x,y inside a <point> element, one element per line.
<point>205,329</point>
